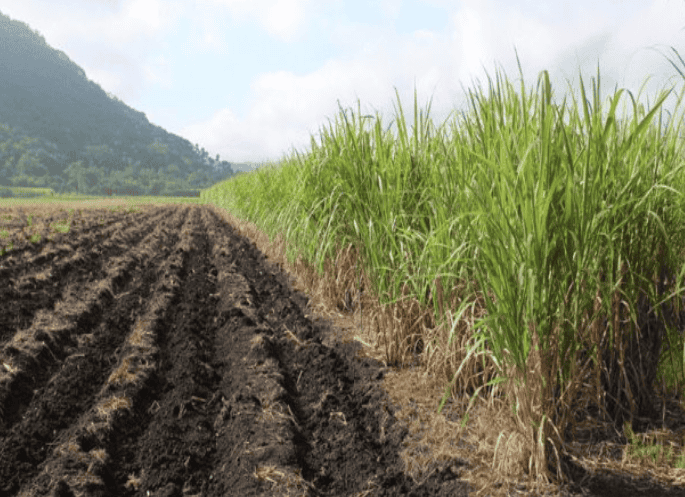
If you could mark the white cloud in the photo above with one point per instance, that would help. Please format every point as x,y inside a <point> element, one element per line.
<point>158,72</point>
<point>143,15</point>
<point>390,8</point>
<point>130,48</point>
<point>118,23</point>
<point>284,20</point>
<point>648,36</point>
<point>288,109</point>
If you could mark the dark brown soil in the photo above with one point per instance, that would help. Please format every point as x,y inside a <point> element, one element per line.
<point>158,353</point>
<point>234,389</point>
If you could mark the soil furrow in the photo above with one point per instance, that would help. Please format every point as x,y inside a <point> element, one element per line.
<point>50,332</point>
<point>178,361</point>
<point>73,349</point>
<point>17,240</point>
<point>82,460</point>
<point>35,281</point>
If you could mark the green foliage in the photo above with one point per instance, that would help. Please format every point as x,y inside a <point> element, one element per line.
<point>199,178</point>
<point>173,170</point>
<point>30,165</point>
<point>159,148</point>
<point>536,214</point>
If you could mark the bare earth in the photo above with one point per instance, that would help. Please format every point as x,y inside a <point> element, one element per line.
<point>158,353</point>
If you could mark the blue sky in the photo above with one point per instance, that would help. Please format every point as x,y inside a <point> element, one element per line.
<point>252,80</point>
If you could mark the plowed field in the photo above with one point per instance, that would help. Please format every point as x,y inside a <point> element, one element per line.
<point>158,353</point>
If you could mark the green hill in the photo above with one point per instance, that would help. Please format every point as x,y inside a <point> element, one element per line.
<point>62,131</point>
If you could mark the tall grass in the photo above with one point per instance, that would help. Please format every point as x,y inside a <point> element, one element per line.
<point>567,230</point>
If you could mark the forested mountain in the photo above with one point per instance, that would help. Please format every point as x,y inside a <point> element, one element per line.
<point>60,130</point>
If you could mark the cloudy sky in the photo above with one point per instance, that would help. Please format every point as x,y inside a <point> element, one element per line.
<point>252,80</point>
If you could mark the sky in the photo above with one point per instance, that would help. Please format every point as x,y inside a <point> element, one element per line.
<point>255,80</point>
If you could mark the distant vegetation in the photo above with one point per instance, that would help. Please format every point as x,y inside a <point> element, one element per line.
<point>59,130</point>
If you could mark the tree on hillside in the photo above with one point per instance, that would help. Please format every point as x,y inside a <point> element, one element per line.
<point>157,186</point>
<point>30,165</point>
<point>57,183</point>
<point>146,177</point>
<point>73,171</point>
<point>97,156</point>
<point>173,171</point>
<point>89,179</point>
<point>199,178</point>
